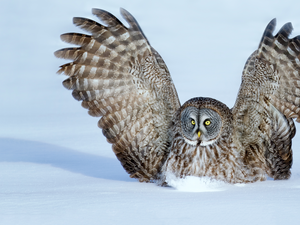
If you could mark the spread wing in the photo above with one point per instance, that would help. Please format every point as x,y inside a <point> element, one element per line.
<point>118,76</point>
<point>268,99</point>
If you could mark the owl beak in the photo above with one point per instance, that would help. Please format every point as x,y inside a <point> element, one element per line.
<point>199,133</point>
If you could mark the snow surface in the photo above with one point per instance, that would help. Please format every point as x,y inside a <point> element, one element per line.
<point>55,165</point>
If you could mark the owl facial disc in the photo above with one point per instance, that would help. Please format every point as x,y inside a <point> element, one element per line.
<point>200,126</point>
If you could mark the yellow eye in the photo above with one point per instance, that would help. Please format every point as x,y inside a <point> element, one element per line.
<point>207,122</point>
<point>193,122</point>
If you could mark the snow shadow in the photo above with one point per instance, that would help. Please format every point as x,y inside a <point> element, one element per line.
<point>16,150</point>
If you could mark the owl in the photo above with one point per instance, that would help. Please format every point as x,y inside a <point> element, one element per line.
<point>121,78</point>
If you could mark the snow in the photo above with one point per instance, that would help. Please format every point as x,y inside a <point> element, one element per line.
<point>55,165</point>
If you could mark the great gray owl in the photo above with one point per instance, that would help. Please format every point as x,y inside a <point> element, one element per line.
<point>118,76</point>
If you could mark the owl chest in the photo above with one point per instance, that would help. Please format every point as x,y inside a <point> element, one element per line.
<point>187,160</point>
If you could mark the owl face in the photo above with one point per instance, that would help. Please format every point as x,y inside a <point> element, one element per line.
<point>200,126</point>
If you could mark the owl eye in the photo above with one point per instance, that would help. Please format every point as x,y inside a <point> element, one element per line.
<point>207,122</point>
<point>193,122</point>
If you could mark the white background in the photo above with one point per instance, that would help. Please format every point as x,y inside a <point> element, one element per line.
<point>55,165</point>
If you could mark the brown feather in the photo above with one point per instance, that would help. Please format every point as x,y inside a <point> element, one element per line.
<point>117,75</point>
<point>120,77</point>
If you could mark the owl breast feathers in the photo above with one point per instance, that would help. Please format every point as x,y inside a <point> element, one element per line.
<point>120,77</point>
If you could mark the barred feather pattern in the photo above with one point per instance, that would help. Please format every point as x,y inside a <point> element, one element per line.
<point>118,76</point>
<point>268,99</point>
<point>283,52</point>
<point>279,154</point>
<point>220,160</point>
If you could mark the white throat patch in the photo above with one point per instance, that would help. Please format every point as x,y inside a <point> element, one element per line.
<point>194,143</point>
<point>203,143</point>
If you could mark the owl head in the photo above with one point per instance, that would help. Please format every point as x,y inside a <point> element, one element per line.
<point>203,121</point>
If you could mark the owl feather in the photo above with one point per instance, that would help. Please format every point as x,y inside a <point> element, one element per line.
<point>121,78</point>
<point>118,76</point>
<point>268,99</point>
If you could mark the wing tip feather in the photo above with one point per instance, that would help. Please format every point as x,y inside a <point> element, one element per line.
<point>106,17</point>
